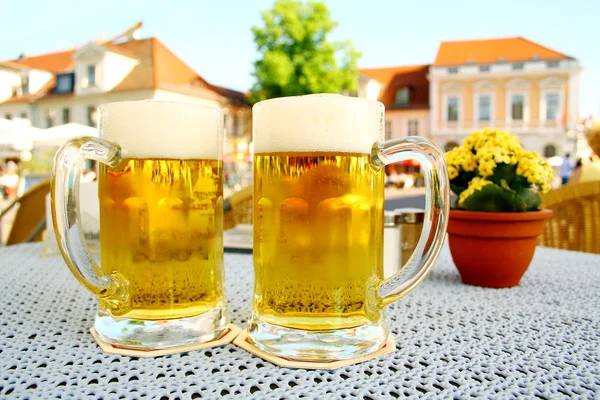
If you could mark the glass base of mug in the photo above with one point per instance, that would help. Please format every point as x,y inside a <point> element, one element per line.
<point>318,346</point>
<point>161,334</point>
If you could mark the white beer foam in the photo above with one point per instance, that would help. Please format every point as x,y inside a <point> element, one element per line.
<point>317,122</point>
<point>163,129</point>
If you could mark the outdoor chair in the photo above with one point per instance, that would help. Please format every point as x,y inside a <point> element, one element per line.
<point>575,223</point>
<point>30,218</point>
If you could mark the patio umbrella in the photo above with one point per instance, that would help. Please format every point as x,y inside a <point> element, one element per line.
<point>58,135</point>
<point>16,134</point>
<point>6,125</point>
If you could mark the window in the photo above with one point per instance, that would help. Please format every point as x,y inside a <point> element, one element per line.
<point>25,85</point>
<point>66,115</point>
<point>49,119</point>
<point>518,66</point>
<point>91,74</point>
<point>23,115</point>
<point>552,64</point>
<point>484,105</point>
<point>413,127</point>
<point>452,109</point>
<point>549,150</point>
<point>235,126</point>
<point>484,68</point>
<point>64,83</point>
<point>91,116</point>
<point>517,107</point>
<point>388,130</point>
<point>450,145</point>
<point>402,96</point>
<point>552,104</point>
<point>8,116</point>
<point>453,70</point>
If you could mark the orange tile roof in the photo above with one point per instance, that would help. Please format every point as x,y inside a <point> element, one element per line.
<point>12,65</point>
<point>490,51</point>
<point>52,62</point>
<point>393,78</point>
<point>158,68</point>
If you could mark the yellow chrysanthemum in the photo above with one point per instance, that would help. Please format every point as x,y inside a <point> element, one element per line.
<point>475,185</point>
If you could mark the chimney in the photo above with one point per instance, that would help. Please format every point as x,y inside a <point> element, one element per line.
<point>22,56</point>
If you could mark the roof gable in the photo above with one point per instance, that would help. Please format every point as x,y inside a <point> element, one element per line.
<point>157,68</point>
<point>413,77</point>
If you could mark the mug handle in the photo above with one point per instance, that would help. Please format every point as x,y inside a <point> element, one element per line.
<point>112,291</point>
<point>437,195</point>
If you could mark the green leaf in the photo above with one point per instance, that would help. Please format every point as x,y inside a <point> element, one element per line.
<point>491,198</point>
<point>457,190</point>
<point>504,172</point>
<point>461,182</point>
<point>531,199</point>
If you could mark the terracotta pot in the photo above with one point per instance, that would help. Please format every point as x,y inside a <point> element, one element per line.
<point>494,249</point>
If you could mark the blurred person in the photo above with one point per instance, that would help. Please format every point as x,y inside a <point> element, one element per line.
<point>566,168</point>
<point>393,179</point>
<point>10,180</point>
<point>409,182</point>
<point>590,171</point>
<point>576,169</point>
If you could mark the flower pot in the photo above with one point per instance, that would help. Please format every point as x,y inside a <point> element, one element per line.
<point>494,249</point>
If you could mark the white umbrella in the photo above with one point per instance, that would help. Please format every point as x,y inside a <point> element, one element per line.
<point>6,125</point>
<point>17,133</point>
<point>58,135</point>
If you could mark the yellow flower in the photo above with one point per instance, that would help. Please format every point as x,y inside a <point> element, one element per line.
<point>475,185</point>
<point>536,170</point>
<point>459,157</point>
<point>484,150</point>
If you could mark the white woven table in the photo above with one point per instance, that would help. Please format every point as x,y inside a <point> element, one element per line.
<point>541,339</point>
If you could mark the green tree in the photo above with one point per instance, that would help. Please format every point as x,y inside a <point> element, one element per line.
<point>296,57</point>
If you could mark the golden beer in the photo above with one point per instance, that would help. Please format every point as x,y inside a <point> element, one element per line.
<point>161,223</point>
<point>317,239</point>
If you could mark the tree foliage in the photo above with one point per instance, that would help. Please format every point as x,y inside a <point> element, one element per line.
<point>296,56</point>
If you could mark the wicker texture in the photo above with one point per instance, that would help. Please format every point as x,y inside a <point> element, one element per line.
<point>31,212</point>
<point>575,224</point>
<point>238,209</point>
<point>535,341</point>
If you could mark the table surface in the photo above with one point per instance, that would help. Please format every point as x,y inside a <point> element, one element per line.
<point>540,339</point>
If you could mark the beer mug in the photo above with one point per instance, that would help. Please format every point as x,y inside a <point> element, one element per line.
<point>160,187</point>
<point>319,291</point>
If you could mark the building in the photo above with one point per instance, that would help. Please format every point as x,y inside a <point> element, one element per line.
<point>512,84</point>
<point>67,86</point>
<point>404,91</point>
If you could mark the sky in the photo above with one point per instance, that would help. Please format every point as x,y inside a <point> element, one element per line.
<point>214,37</point>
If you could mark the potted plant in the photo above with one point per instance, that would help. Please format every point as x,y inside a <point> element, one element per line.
<point>495,221</point>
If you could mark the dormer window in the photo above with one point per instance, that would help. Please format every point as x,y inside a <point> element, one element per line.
<point>402,96</point>
<point>64,83</point>
<point>91,74</point>
<point>25,85</point>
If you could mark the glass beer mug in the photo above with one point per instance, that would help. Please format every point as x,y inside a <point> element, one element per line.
<point>319,292</point>
<point>160,278</point>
